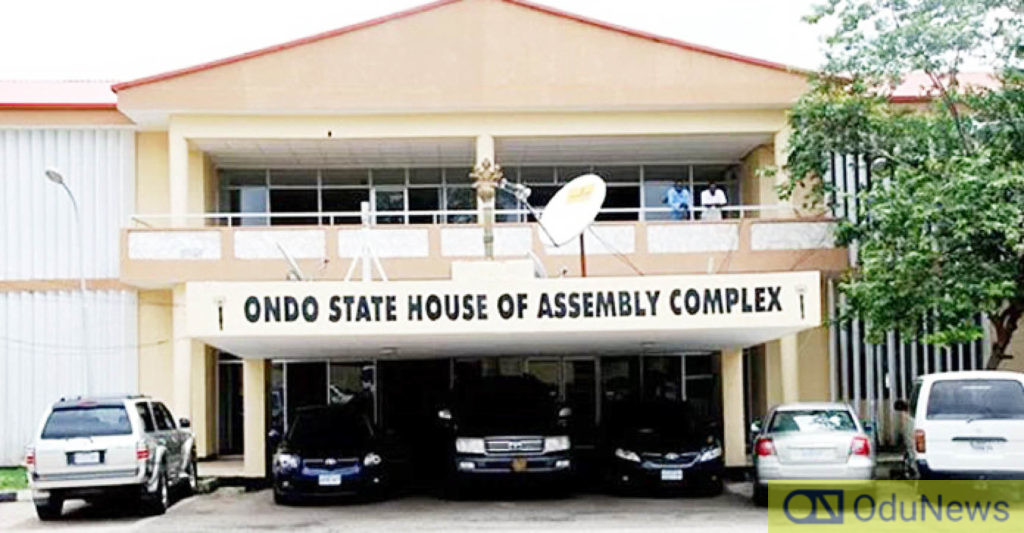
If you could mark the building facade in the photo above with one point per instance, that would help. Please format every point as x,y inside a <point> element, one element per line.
<point>204,191</point>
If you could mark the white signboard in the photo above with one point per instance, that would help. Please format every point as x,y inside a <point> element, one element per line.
<point>379,315</point>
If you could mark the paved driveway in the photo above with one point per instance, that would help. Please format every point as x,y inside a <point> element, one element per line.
<point>231,510</point>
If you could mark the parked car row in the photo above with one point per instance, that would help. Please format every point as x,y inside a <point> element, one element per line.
<point>504,430</point>
<point>508,430</point>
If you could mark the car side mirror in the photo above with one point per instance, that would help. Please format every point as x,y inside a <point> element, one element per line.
<point>755,427</point>
<point>565,412</point>
<point>901,406</point>
<point>184,423</point>
<point>444,414</point>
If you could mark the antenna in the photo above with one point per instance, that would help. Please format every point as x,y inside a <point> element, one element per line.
<point>294,272</point>
<point>573,209</point>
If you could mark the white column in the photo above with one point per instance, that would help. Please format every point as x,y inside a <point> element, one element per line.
<point>181,357</point>
<point>790,365</point>
<point>254,396</point>
<point>734,419</point>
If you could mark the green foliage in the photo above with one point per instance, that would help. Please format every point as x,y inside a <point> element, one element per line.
<point>940,234</point>
<point>13,478</point>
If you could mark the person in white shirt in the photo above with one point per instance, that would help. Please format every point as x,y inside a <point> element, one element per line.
<point>712,199</point>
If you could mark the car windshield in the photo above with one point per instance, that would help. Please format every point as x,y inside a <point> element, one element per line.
<point>975,398</point>
<point>505,405</point>
<point>72,422</point>
<point>812,420</point>
<point>333,429</point>
<point>655,425</point>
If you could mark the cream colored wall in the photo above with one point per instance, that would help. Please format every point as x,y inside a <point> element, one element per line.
<point>733,416</point>
<point>757,189</point>
<point>812,352</point>
<point>462,56</point>
<point>151,181</point>
<point>155,347</point>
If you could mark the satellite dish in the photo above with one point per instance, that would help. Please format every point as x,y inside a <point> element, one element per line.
<point>573,208</point>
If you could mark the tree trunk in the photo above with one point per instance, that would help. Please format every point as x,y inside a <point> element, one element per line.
<point>1005,325</point>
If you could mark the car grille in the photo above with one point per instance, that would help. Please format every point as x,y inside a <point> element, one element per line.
<point>514,445</point>
<point>673,459</point>
<point>330,462</point>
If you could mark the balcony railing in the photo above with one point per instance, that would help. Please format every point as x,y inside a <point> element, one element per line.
<point>447,216</point>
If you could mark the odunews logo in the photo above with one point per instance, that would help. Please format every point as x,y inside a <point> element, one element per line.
<point>927,504</point>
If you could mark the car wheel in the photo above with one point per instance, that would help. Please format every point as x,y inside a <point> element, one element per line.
<point>282,499</point>
<point>192,482</point>
<point>156,502</point>
<point>760,495</point>
<point>50,509</point>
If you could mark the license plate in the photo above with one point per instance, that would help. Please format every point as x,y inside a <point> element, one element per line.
<point>518,465</point>
<point>87,458</point>
<point>982,446</point>
<point>671,475</point>
<point>330,480</point>
<point>813,453</point>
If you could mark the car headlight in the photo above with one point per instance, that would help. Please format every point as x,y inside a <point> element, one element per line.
<point>556,444</point>
<point>287,461</point>
<point>710,453</point>
<point>470,446</point>
<point>372,459</point>
<point>627,455</point>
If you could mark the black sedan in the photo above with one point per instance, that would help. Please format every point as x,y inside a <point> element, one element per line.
<point>661,445</point>
<point>333,451</point>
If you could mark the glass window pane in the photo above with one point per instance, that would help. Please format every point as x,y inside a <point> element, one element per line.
<point>506,201</point>
<point>277,397</point>
<point>625,174</point>
<point>234,177</point>
<point>533,175</point>
<point>458,175</point>
<point>424,199</point>
<point>293,201</point>
<point>247,200</point>
<point>300,176</point>
<point>621,197</point>
<point>388,176</point>
<point>668,173</point>
<point>460,198</point>
<point>390,200</point>
<point>566,174</point>
<point>346,383</point>
<point>620,379</point>
<point>698,364</point>
<point>425,175</point>
<point>343,200</point>
<point>541,194</point>
<point>663,378</point>
<point>346,176</point>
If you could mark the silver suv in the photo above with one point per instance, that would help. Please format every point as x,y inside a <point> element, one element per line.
<point>109,448</point>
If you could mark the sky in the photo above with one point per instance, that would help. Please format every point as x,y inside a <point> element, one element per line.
<point>120,40</point>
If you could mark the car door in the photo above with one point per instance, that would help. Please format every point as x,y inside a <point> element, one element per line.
<point>167,438</point>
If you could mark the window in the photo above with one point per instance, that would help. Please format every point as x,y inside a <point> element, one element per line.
<point>621,197</point>
<point>293,201</point>
<point>424,199</point>
<point>816,420</point>
<point>163,417</point>
<point>658,179</point>
<point>96,421</point>
<point>663,378</point>
<point>343,200</point>
<point>145,415</point>
<point>460,199</point>
<point>976,399</point>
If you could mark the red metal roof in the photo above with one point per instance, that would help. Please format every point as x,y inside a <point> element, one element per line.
<point>440,3</point>
<point>26,94</point>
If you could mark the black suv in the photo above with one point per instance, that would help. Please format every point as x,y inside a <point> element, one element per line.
<point>661,445</point>
<point>509,429</point>
<point>335,450</point>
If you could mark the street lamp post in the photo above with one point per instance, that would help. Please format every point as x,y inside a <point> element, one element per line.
<point>56,177</point>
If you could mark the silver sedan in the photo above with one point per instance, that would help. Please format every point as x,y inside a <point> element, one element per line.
<point>810,441</point>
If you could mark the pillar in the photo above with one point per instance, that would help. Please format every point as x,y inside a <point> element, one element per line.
<point>734,419</point>
<point>484,149</point>
<point>190,376</point>
<point>789,363</point>
<point>255,376</point>
<point>177,179</point>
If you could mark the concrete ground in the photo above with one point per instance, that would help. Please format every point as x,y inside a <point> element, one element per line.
<point>230,509</point>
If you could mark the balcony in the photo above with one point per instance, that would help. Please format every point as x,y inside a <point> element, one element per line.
<point>212,247</point>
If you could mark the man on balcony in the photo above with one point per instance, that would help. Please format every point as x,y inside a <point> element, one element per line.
<point>712,199</point>
<point>678,198</point>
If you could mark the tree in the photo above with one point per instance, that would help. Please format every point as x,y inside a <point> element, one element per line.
<point>940,232</point>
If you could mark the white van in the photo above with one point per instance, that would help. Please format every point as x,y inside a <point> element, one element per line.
<point>965,425</point>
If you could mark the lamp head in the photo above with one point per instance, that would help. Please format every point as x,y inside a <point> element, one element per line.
<point>55,176</point>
